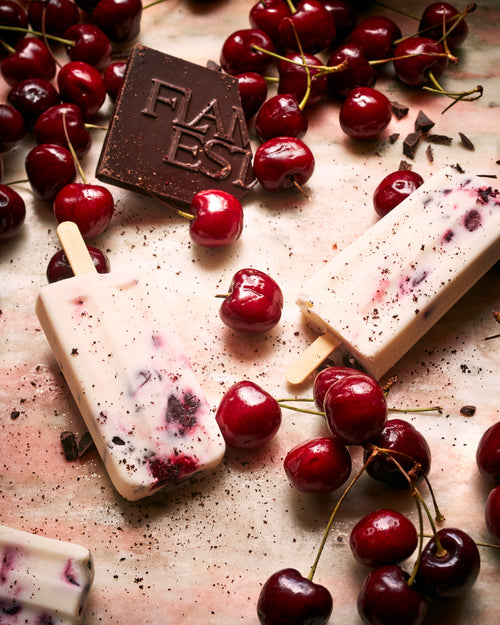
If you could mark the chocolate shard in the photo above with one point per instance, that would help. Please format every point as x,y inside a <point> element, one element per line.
<point>399,110</point>
<point>84,444</point>
<point>468,411</point>
<point>410,144</point>
<point>68,442</point>
<point>177,128</point>
<point>423,123</point>
<point>430,153</point>
<point>405,166</point>
<point>394,137</point>
<point>466,142</point>
<point>439,139</point>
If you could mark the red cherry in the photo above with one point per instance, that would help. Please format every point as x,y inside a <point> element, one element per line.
<point>358,73</point>
<point>492,513</point>
<point>32,97</point>
<point>395,188</point>
<point>53,16</point>
<point>253,92</point>
<point>90,45</point>
<point>488,454</point>
<point>426,55</point>
<point>12,127</point>
<point>120,20</point>
<point>288,597</point>
<point>344,16</point>
<point>49,167</point>
<point>280,116</point>
<point>113,78</point>
<point>293,77</point>
<point>383,537</point>
<point>266,16</point>
<point>238,56</point>
<point>12,212</point>
<point>31,59</point>
<point>248,416</point>
<point>12,14</point>
<point>365,113</point>
<point>82,84</point>
<point>376,35</point>
<point>49,128</point>
<point>60,269</point>
<point>283,163</point>
<point>432,20</point>
<point>89,206</point>
<point>218,218</point>
<point>320,465</point>
<point>325,379</point>
<point>312,24</point>
<point>254,302</point>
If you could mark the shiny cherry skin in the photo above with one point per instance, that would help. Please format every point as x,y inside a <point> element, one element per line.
<point>12,127</point>
<point>325,378</point>
<point>253,92</point>
<point>90,206</point>
<point>293,77</point>
<point>319,465</point>
<point>407,446</point>
<point>488,454</point>
<point>312,24</point>
<point>395,188</point>
<point>283,163</point>
<point>81,84</point>
<point>344,16</point>
<point>120,20</point>
<point>358,72</point>
<point>238,55</point>
<point>288,597</point>
<point>376,35</point>
<point>12,212</point>
<point>60,269</point>
<point>113,77</point>
<point>49,167</point>
<point>254,302</point>
<point>492,513</point>
<point>355,408</point>
<point>281,116</point>
<point>31,59</point>
<point>248,416</point>
<point>53,16</point>
<point>426,55</point>
<point>49,128</point>
<point>32,97</point>
<point>266,16</point>
<point>365,113</point>
<point>90,45</point>
<point>383,537</point>
<point>432,22</point>
<point>385,598</point>
<point>451,575</point>
<point>218,218</point>
<point>12,14</point>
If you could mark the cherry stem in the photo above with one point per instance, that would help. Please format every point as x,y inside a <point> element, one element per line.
<point>440,550</point>
<point>72,150</point>
<point>466,96</point>
<point>478,543</point>
<point>411,579</point>
<point>448,55</point>
<point>324,69</point>
<point>179,212</point>
<point>291,5</point>
<point>9,184</point>
<point>438,515</point>
<point>493,336</point>
<point>391,8</point>
<point>9,49</point>
<point>19,29</point>
<point>429,409</point>
<point>152,4</point>
<point>319,412</point>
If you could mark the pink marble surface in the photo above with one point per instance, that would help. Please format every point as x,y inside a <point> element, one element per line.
<point>200,554</point>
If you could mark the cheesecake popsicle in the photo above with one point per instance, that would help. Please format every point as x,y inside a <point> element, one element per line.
<point>129,375</point>
<point>42,580</point>
<point>377,297</point>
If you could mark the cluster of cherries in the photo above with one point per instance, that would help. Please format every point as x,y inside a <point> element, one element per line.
<point>396,454</point>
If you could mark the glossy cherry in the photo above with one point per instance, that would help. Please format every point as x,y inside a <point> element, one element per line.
<point>382,537</point>
<point>238,54</point>
<point>426,55</point>
<point>248,416</point>
<point>408,447</point>
<point>49,128</point>
<point>386,599</point>
<point>120,20</point>
<point>344,16</point>
<point>395,188</point>
<point>319,465</point>
<point>11,14</point>
<point>60,269</point>
<point>49,167</point>
<point>432,20</point>
<point>288,597</point>
<point>218,218</point>
<point>12,212</point>
<point>293,77</point>
<point>266,16</point>
<point>312,24</point>
<point>253,92</point>
<point>90,45</point>
<point>365,113</point>
<point>492,513</point>
<point>31,59</point>
<point>488,454</point>
<point>355,408</point>
<point>81,84</point>
<point>254,302</point>
<point>53,16</point>
<point>452,574</point>
<point>90,206</point>
<point>32,97</point>
<point>283,163</point>
<point>113,77</point>
<point>12,127</point>
<point>325,378</point>
<point>376,35</point>
<point>281,116</point>
<point>358,73</point>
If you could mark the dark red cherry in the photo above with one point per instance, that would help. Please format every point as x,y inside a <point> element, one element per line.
<point>12,212</point>
<point>49,167</point>
<point>344,16</point>
<point>355,408</point>
<point>492,513</point>
<point>452,574</point>
<point>293,77</point>
<point>90,45</point>
<point>426,55</point>
<point>395,188</point>
<point>60,269</point>
<point>376,35</point>
<point>31,59</point>
<point>319,465</point>
<point>254,302</point>
<point>120,20</point>
<point>386,599</point>
<point>280,115</point>
<point>312,24</point>
<point>32,97</point>
<point>407,445</point>
<point>488,454</point>
<point>358,73</point>
<point>49,128</point>
<point>218,218</point>
<point>248,416</point>
<point>53,16</point>
<point>12,127</point>
<point>325,379</point>
<point>253,92</point>
<point>266,16</point>
<point>383,537</point>
<point>283,163</point>
<point>439,13</point>
<point>113,78</point>
<point>11,14</point>
<point>238,55</point>
<point>288,597</point>
<point>365,113</point>
<point>81,84</point>
<point>90,206</point>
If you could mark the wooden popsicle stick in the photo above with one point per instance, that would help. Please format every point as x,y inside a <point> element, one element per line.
<point>312,357</point>
<point>75,248</point>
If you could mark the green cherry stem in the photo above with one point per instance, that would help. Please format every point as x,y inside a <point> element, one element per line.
<point>72,150</point>
<point>391,8</point>
<point>284,403</point>
<point>19,29</point>
<point>411,579</point>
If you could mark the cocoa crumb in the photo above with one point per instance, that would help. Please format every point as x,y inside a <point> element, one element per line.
<point>68,442</point>
<point>423,123</point>
<point>468,411</point>
<point>466,142</point>
<point>15,414</point>
<point>74,351</point>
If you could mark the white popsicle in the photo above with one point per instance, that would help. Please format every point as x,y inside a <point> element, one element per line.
<point>129,376</point>
<point>42,580</point>
<point>382,293</point>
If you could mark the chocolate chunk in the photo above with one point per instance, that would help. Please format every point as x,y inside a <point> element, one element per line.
<point>177,128</point>
<point>439,139</point>
<point>84,444</point>
<point>405,166</point>
<point>399,110</point>
<point>466,142</point>
<point>468,411</point>
<point>15,414</point>
<point>423,123</point>
<point>410,144</point>
<point>394,137</point>
<point>68,442</point>
<point>430,153</point>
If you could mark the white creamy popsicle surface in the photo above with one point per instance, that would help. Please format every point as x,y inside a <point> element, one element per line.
<point>42,580</point>
<point>131,379</point>
<point>381,294</point>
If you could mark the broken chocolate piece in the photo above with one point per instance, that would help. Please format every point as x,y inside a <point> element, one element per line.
<point>466,142</point>
<point>68,442</point>
<point>394,137</point>
<point>84,444</point>
<point>423,123</point>
<point>468,411</point>
<point>177,128</point>
<point>439,139</point>
<point>399,110</point>
<point>405,166</point>
<point>430,153</point>
<point>410,144</point>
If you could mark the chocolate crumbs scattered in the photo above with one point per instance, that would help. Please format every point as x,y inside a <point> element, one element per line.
<point>468,411</point>
<point>410,144</point>
<point>423,123</point>
<point>466,142</point>
<point>68,442</point>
